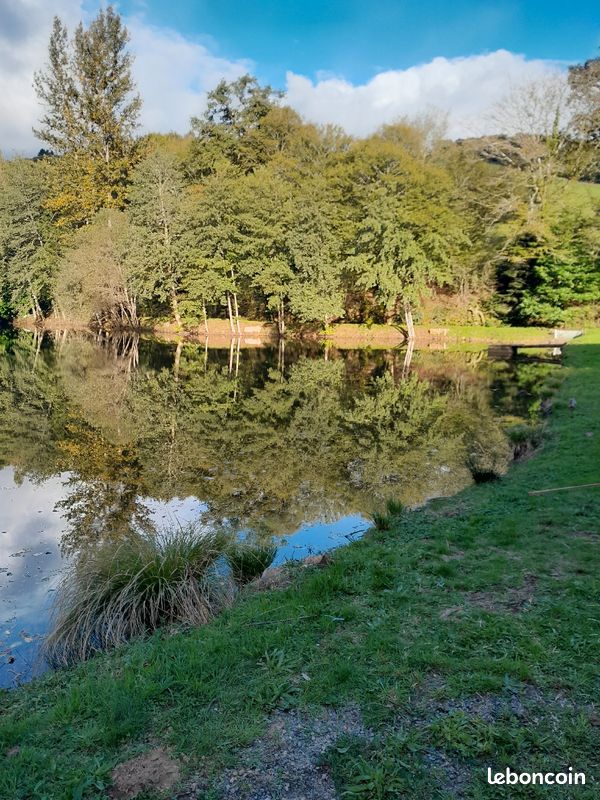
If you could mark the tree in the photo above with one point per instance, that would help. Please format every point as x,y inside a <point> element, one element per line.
<point>534,116</point>
<point>407,236</point>
<point>90,111</point>
<point>227,131</point>
<point>157,214</point>
<point>562,274</point>
<point>92,283</point>
<point>584,82</point>
<point>315,291</point>
<point>264,251</point>
<point>29,241</point>
<point>216,217</point>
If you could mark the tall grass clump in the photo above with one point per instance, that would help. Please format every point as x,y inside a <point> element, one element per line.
<point>126,589</point>
<point>248,561</point>
<point>385,521</point>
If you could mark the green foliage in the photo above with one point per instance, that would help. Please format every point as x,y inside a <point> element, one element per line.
<point>258,214</point>
<point>90,113</point>
<point>229,132</point>
<point>157,248</point>
<point>29,242</point>
<point>554,267</point>
<point>107,297</point>
<point>407,234</point>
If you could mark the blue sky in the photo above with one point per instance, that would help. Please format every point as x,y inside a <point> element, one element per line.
<point>356,40</point>
<point>350,63</point>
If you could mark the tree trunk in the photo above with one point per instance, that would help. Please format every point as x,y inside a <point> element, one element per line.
<point>237,313</point>
<point>205,318</point>
<point>37,310</point>
<point>281,318</point>
<point>177,360</point>
<point>175,307</point>
<point>230,314</point>
<point>408,357</point>
<point>410,327</point>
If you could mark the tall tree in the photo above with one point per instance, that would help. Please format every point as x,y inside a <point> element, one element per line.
<point>29,241</point>
<point>215,223</point>
<point>227,131</point>
<point>407,236</point>
<point>157,213</point>
<point>584,82</point>
<point>315,291</point>
<point>93,285</point>
<point>90,110</point>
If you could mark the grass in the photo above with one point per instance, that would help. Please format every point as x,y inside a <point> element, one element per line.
<point>467,634</point>
<point>500,334</point>
<point>126,589</point>
<point>249,560</point>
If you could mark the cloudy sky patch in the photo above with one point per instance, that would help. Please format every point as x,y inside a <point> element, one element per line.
<point>174,70</point>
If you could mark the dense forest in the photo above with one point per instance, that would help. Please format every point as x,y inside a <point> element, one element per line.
<point>257,213</point>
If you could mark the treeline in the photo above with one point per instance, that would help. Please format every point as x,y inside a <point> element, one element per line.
<point>257,213</point>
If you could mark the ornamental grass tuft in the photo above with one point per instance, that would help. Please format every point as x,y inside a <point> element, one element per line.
<point>121,590</point>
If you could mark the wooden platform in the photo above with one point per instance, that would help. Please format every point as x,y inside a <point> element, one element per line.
<point>503,351</point>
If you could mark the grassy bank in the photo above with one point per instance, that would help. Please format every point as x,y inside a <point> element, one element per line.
<point>463,637</point>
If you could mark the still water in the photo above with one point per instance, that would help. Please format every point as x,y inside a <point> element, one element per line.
<point>300,445</point>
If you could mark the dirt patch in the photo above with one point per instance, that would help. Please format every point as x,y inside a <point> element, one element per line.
<point>455,555</point>
<point>154,771</point>
<point>320,560</point>
<point>272,578</point>
<point>281,577</point>
<point>284,764</point>
<point>451,611</point>
<point>513,600</point>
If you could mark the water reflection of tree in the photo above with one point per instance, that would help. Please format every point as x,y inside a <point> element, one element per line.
<point>104,486</point>
<point>266,445</point>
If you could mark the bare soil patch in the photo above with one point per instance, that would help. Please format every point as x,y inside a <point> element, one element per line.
<point>284,764</point>
<point>514,600</point>
<point>154,771</point>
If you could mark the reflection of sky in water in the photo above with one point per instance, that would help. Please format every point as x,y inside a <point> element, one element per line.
<point>320,536</point>
<point>30,564</point>
<point>30,560</point>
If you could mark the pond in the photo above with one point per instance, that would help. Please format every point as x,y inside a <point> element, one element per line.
<point>295,444</point>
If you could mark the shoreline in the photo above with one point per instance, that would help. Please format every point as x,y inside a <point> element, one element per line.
<point>256,333</point>
<point>459,617</point>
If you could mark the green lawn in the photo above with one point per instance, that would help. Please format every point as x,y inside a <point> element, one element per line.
<point>467,634</point>
<point>500,334</point>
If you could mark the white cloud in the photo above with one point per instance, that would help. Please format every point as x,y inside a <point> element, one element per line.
<point>174,73</point>
<point>464,88</point>
<point>24,31</point>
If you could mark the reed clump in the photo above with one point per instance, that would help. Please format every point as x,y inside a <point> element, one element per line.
<point>121,590</point>
<point>248,561</point>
